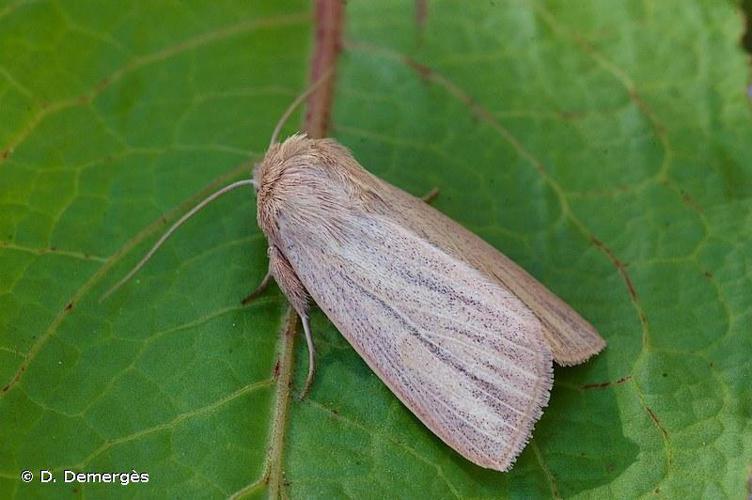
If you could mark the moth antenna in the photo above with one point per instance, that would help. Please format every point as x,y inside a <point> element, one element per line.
<point>297,102</point>
<point>168,233</point>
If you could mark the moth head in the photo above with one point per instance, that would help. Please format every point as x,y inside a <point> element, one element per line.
<point>274,185</point>
<point>278,153</point>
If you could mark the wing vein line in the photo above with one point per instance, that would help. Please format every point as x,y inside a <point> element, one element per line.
<point>520,370</point>
<point>418,330</point>
<point>354,264</point>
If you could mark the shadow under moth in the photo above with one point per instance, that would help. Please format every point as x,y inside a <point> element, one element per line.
<point>462,335</point>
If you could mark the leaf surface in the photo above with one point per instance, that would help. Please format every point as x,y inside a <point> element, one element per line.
<point>605,146</point>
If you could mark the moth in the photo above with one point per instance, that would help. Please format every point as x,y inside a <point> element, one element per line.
<point>462,335</point>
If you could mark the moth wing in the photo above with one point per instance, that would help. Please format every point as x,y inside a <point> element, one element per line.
<point>570,337</point>
<point>464,354</point>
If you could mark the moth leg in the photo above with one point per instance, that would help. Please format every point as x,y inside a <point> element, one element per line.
<point>431,195</point>
<point>296,293</point>
<point>311,356</point>
<point>288,281</point>
<point>259,289</point>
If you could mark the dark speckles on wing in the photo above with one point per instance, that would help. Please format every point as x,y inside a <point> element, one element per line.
<point>461,352</point>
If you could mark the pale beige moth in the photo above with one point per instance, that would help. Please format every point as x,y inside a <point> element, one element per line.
<point>462,335</point>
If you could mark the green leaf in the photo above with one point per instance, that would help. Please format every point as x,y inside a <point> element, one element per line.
<point>605,146</point>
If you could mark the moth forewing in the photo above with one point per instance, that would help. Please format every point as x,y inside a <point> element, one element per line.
<point>571,338</point>
<point>461,350</point>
